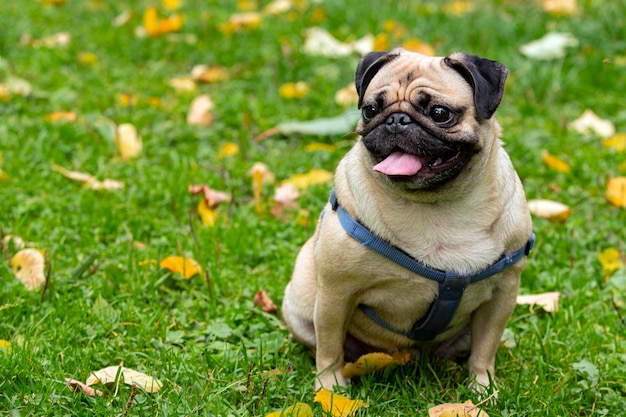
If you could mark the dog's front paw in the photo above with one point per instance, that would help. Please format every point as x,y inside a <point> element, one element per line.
<point>329,379</point>
<point>483,387</point>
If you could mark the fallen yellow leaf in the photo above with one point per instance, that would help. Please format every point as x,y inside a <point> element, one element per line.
<point>338,405</point>
<point>111,374</point>
<point>208,74</point>
<point>313,177</point>
<point>416,45</point>
<point>347,96</point>
<point>555,163</point>
<point>266,175</point>
<point>126,99</point>
<point>151,21</point>
<point>172,4</point>
<point>616,191</point>
<point>155,26</point>
<point>183,84</point>
<point>278,7</point>
<point>611,261</point>
<point>241,21</point>
<point>228,149</point>
<point>381,42</point>
<point>589,122</point>
<point>207,214</point>
<point>458,8</point>
<point>128,141</point>
<point>560,7</point>
<point>186,267</point>
<point>3,175</point>
<point>5,345</point>
<point>55,40</point>
<point>367,364</point>
<point>200,112</point>
<point>89,180</point>
<point>88,58</point>
<point>467,409</point>
<point>61,116</point>
<point>548,209</point>
<point>296,410</point>
<point>549,301</point>
<point>617,142</point>
<point>294,90</point>
<point>29,267</point>
<point>317,146</point>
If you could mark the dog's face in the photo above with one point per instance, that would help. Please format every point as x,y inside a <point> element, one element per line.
<point>426,121</point>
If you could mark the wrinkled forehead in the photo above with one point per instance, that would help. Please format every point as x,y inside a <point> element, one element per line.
<point>411,73</point>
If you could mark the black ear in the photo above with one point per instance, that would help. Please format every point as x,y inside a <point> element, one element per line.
<point>486,78</point>
<point>368,66</point>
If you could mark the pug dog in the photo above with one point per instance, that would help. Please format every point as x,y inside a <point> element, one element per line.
<point>427,230</point>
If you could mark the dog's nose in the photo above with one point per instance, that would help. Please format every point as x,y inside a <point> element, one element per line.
<point>397,122</point>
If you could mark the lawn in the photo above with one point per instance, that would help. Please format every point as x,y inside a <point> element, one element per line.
<point>107,300</point>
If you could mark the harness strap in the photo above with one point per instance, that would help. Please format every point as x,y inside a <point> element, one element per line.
<point>451,285</point>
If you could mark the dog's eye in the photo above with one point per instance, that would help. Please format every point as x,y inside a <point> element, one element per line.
<point>440,114</point>
<point>369,111</point>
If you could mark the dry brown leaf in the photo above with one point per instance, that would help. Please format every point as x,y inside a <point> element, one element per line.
<point>262,300</point>
<point>29,267</point>
<point>128,141</point>
<point>212,197</point>
<point>467,409</point>
<point>286,195</point>
<point>110,375</point>
<point>78,386</point>
<point>549,301</point>
<point>200,111</point>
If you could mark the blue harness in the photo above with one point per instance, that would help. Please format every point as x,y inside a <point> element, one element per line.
<point>451,284</point>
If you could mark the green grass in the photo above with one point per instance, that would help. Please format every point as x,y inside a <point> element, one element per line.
<point>209,344</point>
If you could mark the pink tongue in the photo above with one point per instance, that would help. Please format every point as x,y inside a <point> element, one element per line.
<point>399,163</point>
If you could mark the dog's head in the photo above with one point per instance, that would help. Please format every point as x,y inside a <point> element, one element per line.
<point>426,121</point>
